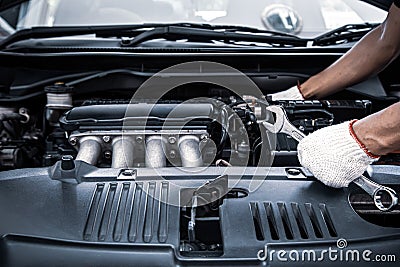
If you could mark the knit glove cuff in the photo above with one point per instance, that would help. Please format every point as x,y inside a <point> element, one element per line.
<point>291,94</point>
<point>333,155</point>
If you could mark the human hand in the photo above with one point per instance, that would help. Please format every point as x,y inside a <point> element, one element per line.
<point>334,155</point>
<point>291,94</point>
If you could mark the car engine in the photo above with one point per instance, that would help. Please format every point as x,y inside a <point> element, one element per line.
<point>122,133</point>
<point>192,177</point>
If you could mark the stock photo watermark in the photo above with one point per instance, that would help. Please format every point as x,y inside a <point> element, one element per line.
<point>175,138</point>
<point>338,253</point>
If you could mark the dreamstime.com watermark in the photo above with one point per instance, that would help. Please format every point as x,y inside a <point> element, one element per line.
<point>192,110</point>
<point>340,253</point>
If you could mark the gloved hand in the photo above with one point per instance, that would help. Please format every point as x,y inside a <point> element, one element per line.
<point>334,155</point>
<point>291,94</point>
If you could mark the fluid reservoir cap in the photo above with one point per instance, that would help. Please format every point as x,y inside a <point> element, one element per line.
<point>58,88</point>
<point>67,163</point>
<point>282,18</point>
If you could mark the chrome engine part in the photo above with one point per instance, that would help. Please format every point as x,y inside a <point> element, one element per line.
<point>155,157</point>
<point>141,149</point>
<point>189,151</point>
<point>125,159</point>
<point>89,150</point>
<point>172,134</point>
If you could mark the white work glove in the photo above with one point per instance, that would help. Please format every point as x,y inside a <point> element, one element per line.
<point>291,94</point>
<point>333,155</point>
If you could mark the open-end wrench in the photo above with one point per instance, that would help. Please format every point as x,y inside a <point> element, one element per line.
<point>376,191</point>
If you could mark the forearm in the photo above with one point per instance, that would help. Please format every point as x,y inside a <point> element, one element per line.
<point>369,56</point>
<point>380,132</point>
<point>363,60</point>
<point>342,148</point>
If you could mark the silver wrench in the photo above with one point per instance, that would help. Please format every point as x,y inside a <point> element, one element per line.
<point>375,190</point>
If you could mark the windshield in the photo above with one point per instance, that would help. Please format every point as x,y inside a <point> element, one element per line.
<point>305,18</point>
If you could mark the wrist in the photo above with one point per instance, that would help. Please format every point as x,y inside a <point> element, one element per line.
<point>309,88</point>
<point>333,155</point>
<point>292,93</point>
<point>300,90</point>
<point>367,144</point>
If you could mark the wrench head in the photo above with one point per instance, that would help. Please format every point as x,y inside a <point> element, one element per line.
<point>388,194</point>
<point>277,126</point>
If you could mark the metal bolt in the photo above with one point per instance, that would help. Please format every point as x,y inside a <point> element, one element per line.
<point>172,139</point>
<point>106,138</point>
<point>203,137</point>
<point>107,154</point>
<point>73,141</point>
<point>24,112</point>
<point>139,139</point>
<point>128,172</point>
<point>172,154</point>
<point>126,40</point>
<point>293,172</point>
<point>67,163</point>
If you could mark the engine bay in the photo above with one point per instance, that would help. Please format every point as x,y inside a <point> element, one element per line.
<point>122,133</point>
<point>191,177</point>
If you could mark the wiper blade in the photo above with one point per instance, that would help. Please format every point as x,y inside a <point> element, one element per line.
<point>234,28</point>
<point>62,31</point>
<point>346,33</point>
<point>50,32</point>
<point>140,28</point>
<point>215,33</point>
<point>118,31</point>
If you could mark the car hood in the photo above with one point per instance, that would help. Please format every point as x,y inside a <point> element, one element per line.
<point>4,4</point>
<point>383,4</point>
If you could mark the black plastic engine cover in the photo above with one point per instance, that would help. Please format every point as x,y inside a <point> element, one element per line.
<point>140,116</point>
<point>108,222</point>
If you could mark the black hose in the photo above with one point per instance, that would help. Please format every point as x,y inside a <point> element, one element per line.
<point>302,111</point>
<point>11,116</point>
<point>224,122</point>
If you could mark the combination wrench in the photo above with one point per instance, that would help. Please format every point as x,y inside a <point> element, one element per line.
<point>376,191</point>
